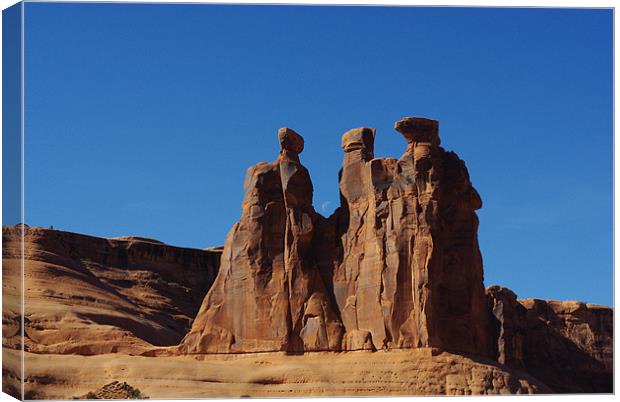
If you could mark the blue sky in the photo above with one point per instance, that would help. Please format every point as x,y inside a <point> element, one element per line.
<point>142,119</point>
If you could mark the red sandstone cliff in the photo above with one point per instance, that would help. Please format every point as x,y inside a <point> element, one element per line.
<point>566,344</point>
<point>88,295</point>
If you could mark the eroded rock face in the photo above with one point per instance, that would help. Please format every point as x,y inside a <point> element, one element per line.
<point>269,295</point>
<point>411,271</point>
<point>396,266</point>
<point>569,345</point>
<point>508,326</point>
<point>89,295</point>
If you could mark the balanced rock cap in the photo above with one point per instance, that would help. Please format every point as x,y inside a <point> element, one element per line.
<point>359,138</point>
<point>418,129</point>
<point>290,140</point>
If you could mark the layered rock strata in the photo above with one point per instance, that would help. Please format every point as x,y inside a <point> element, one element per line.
<point>89,295</point>
<point>568,345</point>
<point>404,372</point>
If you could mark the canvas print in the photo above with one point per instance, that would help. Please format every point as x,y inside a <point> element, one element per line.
<point>226,201</point>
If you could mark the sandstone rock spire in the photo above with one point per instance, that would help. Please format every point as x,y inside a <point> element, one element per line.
<point>269,295</point>
<point>411,272</point>
<point>449,298</point>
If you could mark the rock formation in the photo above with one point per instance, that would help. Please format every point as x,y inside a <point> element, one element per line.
<point>411,271</point>
<point>567,345</point>
<point>88,295</point>
<point>508,327</point>
<point>269,295</point>
<point>405,270</point>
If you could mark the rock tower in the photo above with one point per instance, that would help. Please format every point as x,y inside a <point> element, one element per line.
<point>396,266</point>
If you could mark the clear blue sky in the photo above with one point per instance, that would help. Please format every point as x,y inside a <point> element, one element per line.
<point>142,119</point>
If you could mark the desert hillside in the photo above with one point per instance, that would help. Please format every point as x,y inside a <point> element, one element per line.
<point>88,295</point>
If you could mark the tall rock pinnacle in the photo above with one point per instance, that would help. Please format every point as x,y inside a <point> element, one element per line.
<point>268,295</point>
